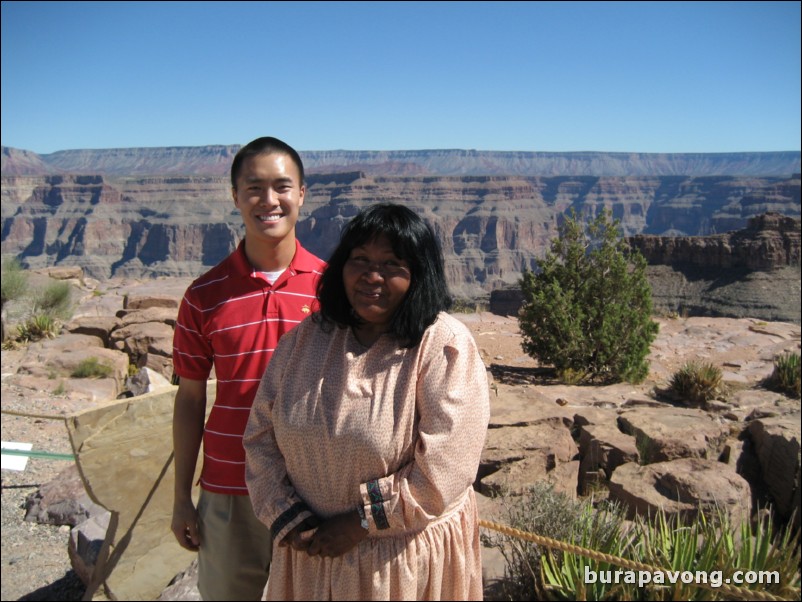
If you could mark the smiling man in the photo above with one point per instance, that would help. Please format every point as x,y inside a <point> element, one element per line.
<point>231,319</point>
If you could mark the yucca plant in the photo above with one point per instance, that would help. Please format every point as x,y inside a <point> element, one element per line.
<point>564,573</point>
<point>706,545</point>
<point>696,382</point>
<point>766,548</point>
<point>40,326</point>
<point>671,544</point>
<point>786,376</point>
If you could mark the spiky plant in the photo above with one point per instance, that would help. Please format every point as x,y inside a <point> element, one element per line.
<point>696,382</point>
<point>786,376</point>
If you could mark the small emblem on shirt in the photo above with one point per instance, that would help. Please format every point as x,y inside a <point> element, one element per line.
<point>306,309</point>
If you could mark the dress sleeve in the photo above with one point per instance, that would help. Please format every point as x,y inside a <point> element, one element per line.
<point>274,500</point>
<point>453,407</point>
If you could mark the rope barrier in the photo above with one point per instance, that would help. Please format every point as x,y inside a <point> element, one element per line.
<point>37,454</point>
<point>38,416</point>
<point>547,542</point>
<point>31,453</point>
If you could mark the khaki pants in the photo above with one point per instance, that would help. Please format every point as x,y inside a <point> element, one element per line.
<point>235,551</point>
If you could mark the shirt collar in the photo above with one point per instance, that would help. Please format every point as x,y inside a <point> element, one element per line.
<point>302,261</point>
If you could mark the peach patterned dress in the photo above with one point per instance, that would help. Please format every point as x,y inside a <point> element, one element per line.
<point>399,432</point>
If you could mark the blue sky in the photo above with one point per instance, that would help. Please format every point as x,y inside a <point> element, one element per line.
<point>540,76</point>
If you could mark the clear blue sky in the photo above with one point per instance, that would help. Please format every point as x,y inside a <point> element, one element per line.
<point>540,76</point>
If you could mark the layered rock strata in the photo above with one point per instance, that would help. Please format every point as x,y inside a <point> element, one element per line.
<point>491,227</point>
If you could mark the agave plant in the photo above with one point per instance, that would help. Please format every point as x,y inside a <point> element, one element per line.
<point>786,375</point>
<point>696,382</point>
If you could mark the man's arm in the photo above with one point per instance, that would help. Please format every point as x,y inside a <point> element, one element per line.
<point>188,418</point>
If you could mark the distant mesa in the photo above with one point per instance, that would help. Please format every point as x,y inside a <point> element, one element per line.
<point>216,160</point>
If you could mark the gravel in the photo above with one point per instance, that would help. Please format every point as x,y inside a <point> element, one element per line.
<point>35,563</point>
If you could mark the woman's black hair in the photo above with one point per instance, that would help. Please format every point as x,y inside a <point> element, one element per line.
<point>412,240</point>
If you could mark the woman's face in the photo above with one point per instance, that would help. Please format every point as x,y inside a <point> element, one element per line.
<point>376,282</point>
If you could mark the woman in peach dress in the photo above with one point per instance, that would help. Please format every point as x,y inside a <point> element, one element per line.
<point>366,432</point>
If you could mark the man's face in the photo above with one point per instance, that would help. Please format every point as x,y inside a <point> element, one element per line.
<point>269,196</point>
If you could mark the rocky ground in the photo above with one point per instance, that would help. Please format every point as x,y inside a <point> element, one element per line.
<point>35,564</point>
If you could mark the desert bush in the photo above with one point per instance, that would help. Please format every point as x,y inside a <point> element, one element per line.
<point>14,281</point>
<point>587,311</point>
<point>786,375</point>
<point>696,382</point>
<point>539,510</point>
<point>55,300</point>
<point>91,367</point>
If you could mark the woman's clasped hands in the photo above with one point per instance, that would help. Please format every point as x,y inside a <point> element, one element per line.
<point>332,537</point>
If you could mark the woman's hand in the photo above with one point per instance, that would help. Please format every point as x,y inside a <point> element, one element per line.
<point>335,536</point>
<point>301,535</point>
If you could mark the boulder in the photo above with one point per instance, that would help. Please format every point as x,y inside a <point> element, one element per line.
<point>515,457</point>
<point>62,501</point>
<point>138,340</point>
<point>96,326</point>
<point>681,487</point>
<point>145,301</point>
<point>603,447</point>
<point>671,433</point>
<point>775,441</point>
<point>167,315</point>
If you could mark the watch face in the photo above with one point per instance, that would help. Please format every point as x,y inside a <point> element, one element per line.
<point>364,524</point>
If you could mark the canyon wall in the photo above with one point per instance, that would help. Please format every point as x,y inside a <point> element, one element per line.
<point>491,227</point>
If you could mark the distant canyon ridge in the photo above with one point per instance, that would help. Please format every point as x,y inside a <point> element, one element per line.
<point>144,212</point>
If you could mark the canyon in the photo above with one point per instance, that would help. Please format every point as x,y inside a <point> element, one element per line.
<point>168,212</point>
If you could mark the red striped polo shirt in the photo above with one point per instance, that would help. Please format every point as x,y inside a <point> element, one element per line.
<point>232,318</point>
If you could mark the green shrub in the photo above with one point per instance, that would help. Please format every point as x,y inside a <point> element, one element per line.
<point>539,510</point>
<point>588,309</point>
<point>91,367</point>
<point>14,281</point>
<point>786,376</point>
<point>55,300</point>
<point>696,382</point>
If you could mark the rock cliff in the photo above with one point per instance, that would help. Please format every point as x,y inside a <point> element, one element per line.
<point>491,227</point>
<point>770,241</point>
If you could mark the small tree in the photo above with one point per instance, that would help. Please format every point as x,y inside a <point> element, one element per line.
<point>587,311</point>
